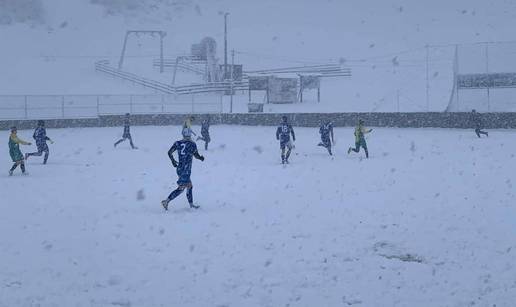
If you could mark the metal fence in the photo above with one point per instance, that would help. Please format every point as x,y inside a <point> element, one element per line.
<point>484,77</point>
<point>91,106</point>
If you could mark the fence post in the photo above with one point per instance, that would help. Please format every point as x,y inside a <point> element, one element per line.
<point>488,100</point>
<point>131,104</point>
<point>62,106</point>
<point>192,103</point>
<point>398,100</point>
<point>26,113</point>
<point>98,106</point>
<point>162,103</point>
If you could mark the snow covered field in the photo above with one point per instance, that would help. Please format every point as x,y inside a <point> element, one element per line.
<point>428,220</point>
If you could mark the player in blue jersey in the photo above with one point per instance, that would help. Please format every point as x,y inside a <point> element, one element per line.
<point>205,132</point>
<point>326,130</point>
<point>40,135</point>
<point>186,149</point>
<point>127,132</point>
<point>283,135</point>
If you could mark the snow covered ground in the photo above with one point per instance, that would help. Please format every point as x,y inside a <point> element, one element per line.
<point>428,220</point>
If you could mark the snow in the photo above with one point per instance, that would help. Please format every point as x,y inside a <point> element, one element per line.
<point>381,41</point>
<point>428,220</point>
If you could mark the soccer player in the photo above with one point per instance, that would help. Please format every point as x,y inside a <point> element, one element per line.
<point>477,122</point>
<point>326,130</point>
<point>15,152</point>
<point>186,149</point>
<point>187,125</point>
<point>40,135</point>
<point>205,132</point>
<point>127,132</point>
<point>283,135</point>
<point>360,131</point>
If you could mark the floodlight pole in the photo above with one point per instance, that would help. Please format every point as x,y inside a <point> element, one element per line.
<point>161,64</point>
<point>226,45</point>
<point>231,88</point>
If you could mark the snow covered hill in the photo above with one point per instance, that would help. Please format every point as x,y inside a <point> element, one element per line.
<point>428,220</point>
<point>49,46</point>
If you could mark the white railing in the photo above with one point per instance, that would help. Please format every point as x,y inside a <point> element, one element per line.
<point>212,87</point>
<point>91,106</point>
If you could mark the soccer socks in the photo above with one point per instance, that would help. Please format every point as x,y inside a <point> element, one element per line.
<point>131,142</point>
<point>22,166</point>
<point>288,155</point>
<point>175,194</point>
<point>15,165</point>
<point>189,196</point>
<point>46,157</point>
<point>118,142</point>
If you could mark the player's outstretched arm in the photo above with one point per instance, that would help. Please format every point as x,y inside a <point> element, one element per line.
<point>198,156</point>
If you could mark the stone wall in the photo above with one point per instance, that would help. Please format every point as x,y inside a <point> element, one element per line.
<point>406,120</point>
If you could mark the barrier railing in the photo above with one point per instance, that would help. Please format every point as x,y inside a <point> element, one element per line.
<point>212,87</point>
<point>91,106</point>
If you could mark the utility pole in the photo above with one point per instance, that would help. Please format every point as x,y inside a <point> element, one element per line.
<point>161,62</point>
<point>225,45</point>
<point>231,88</point>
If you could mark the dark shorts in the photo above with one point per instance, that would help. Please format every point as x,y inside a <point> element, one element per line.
<point>16,155</point>
<point>42,147</point>
<point>285,144</point>
<point>126,136</point>
<point>206,137</point>
<point>361,143</point>
<point>326,142</point>
<point>184,179</point>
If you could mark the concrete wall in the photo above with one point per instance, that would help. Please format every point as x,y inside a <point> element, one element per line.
<point>413,120</point>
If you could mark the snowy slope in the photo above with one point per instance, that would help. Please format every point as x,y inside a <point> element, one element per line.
<point>380,40</point>
<point>428,220</point>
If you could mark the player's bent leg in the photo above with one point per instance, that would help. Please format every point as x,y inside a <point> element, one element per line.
<point>119,141</point>
<point>364,145</point>
<point>282,146</point>
<point>288,154</point>
<point>357,147</point>
<point>15,165</point>
<point>131,142</point>
<point>189,196</point>
<point>172,196</point>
